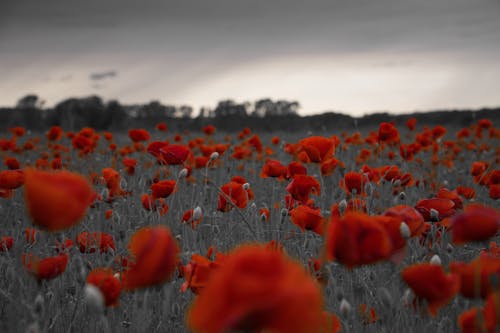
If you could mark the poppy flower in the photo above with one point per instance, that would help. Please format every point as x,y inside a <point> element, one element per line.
<point>476,223</point>
<point>256,290</point>
<point>154,255</point>
<point>444,193</point>
<point>198,270</point>
<point>149,202</point>
<point>46,268</point>
<point>482,320</point>
<point>329,165</point>
<point>11,179</point>
<point>411,123</point>
<point>331,323</point>
<point>55,133</point>
<point>392,225</point>
<point>163,188</point>
<point>189,217</point>
<point>295,168</point>
<point>236,193</point>
<point>413,219</point>
<point>112,179</point>
<point>89,242</point>
<point>471,321</point>
<point>138,135</point>
<point>209,129</point>
<point>108,284</point>
<point>6,243</point>
<point>431,283</point>
<point>162,127</point>
<point>355,239</point>
<point>264,214</point>
<point>65,246</point>
<point>388,133</point>
<point>317,148</point>
<point>475,277</point>
<point>353,181</point>
<point>466,192</point>
<point>56,200</point>
<point>494,191</point>
<point>174,154</point>
<point>130,164</point>
<point>302,186</point>
<point>307,218</point>
<point>444,208</point>
<point>12,163</point>
<point>273,168</point>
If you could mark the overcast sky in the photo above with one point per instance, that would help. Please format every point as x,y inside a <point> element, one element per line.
<point>355,56</point>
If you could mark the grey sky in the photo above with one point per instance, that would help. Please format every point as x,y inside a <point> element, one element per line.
<point>357,55</point>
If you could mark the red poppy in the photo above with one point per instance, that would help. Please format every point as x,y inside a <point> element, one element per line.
<point>355,239</point>
<point>329,165</point>
<point>255,290</point>
<point>431,283</point>
<point>307,218</point>
<point>476,223</point>
<point>149,202</point>
<point>138,135</point>
<point>443,207</point>
<point>46,268</point>
<point>130,165</point>
<point>482,320</point>
<point>55,133</point>
<point>410,216</point>
<point>11,179</point>
<point>154,255</point>
<point>444,193</point>
<point>6,243</point>
<point>388,133</point>
<point>236,193</point>
<point>273,168</point>
<point>475,277</point>
<point>209,129</point>
<point>317,148</point>
<point>295,168</point>
<point>108,284</point>
<point>302,186</point>
<point>392,225</point>
<point>12,163</point>
<point>466,192</point>
<point>65,246</point>
<point>188,217</point>
<point>494,191</point>
<point>264,213</point>
<point>163,188</point>
<point>353,181</point>
<point>411,123</point>
<point>57,200</point>
<point>331,323</point>
<point>198,270</point>
<point>174,154</point>
<point>112,179</point>
<point>162,127</point>
<point>89,242</point>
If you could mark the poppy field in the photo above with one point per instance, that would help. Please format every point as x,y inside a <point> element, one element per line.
<point>392,229</point>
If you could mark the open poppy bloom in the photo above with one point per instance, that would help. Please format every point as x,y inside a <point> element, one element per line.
<point>256,289</point>
<point>56,200</point>
<point>302,186</point>
<point>154,255</point>
<point>138,135</point>
<point>46,268</point>
<point>6,243</point>
<point>475,277</point>
<point>444,208</point>
<point>236,193</point>
<point>273,168</point>
<point>476,223</point>
<point>430,282</point>
<point>11,179</point>
<point>409,215</point>
<point>163,188</point>
<point>89,242</point>
<point>482,320</point>
<point>198,270</point>
<point>317,148</point>
<point>388,133</point>
<point>307,218</point>
<point>355,239</point>
<point>108,284</point>
<point>174,154</point>
<point>353,181</point>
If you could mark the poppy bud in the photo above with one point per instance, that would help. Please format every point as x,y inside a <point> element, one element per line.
<point>404,230</point>
<point>345,307</point>
<point>38,306</point>
<point>246,186</point>
<point>284,212</point>
<point>434,215</point>
<point>93,297</point>
<point>408,297</point>
<point>342,206</point>
<point>435,260</point>
<point>197,213</point>
<point>183,173</point>
<point>396,183</point>
<point>214,156</point>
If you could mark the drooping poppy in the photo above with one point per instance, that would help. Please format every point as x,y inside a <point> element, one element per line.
<point>254,290</point>
<point>46,268</point>
<point>475,223</point>
<point>355,239</point>
<point>475,277</point>
<point>108,284</point>
<point>307,218</point>
<point>431,283</point>
<point>154,255</point>
<point>56,200</point>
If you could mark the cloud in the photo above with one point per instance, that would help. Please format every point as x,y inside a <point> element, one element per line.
<point>103,75</point>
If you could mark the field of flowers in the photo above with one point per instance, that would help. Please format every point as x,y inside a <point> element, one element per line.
<point>390,230</point>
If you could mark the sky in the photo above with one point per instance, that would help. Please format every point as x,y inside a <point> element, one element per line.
<point>352,56</point>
